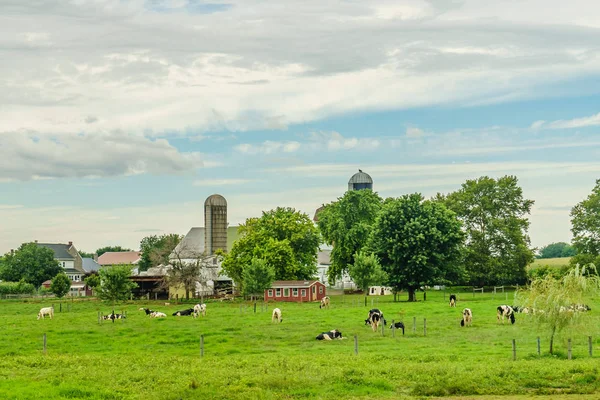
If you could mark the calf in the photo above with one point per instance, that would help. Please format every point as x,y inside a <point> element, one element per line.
<point>452,300</point>
<point>375,311</point>
<point>398,325</point>
<point>332,334</point>
<point>200,309</point>
<point>324,302</point>
<point>505,311</point>
<point>467,317</point>
<point>49,311</point>
<point>276,315</point>
<point>156,314</point>
<point>189,311</point>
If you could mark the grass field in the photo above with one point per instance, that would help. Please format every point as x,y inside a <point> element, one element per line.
<point>248,357</point>
<point>552,262</point>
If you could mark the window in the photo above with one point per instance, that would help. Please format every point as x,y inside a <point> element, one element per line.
<point>277,292</point>
<point>286,292</point>
<point>303,292</point>
<point>270,292</point>
<point>314,289</point>
<point>64,264</point>
<point>295,292</point>
<point>320,289</point>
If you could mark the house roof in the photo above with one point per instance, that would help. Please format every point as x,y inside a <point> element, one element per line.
<point>61,251</point>
<point>281,284</point>
<point>324,257</point>
<point>89,265</point>
<point>119,257</point>
<point>191,246</point>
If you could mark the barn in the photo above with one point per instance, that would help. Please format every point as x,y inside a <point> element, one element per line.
<point>295,291</point>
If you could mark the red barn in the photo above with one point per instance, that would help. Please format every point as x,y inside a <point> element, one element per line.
<point>295,291</point>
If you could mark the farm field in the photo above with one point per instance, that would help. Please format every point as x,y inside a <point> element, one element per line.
<point>248,357</point>
<point>552,262</point>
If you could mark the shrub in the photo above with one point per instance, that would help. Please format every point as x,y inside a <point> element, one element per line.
<point>20,287</point>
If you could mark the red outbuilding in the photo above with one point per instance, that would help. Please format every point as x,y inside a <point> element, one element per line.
<point>295,291</point>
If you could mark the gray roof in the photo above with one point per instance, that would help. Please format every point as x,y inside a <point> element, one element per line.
<point>191,246</point>
<point>360,177</point>
<point>90,265</point>
<point>215,200</point>
<point>60,250</point>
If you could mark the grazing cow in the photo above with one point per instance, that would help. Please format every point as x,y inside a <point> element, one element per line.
<point>49,311</point>
<point>332,334</point>
<point>189,311</point>
<point>398,325</point>
<point>200,309</point>
<point>505,311</point>
<point>276,315</point>
<point>375,311</point>
<point>452,300</point>
<point>467,317</point>
<point>325,302</point>
<point>147,310</point>
<point>156,314</point>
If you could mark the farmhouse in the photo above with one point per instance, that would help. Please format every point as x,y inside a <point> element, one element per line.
<point>69,259</point>
<point>295,291</point>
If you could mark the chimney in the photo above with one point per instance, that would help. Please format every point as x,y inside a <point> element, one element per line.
<point>12,251</point>
<point>70,243</point>
<point>35,240</point>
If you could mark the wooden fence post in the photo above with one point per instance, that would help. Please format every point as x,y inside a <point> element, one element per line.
<point>590,345</point>
<point>254,306</point>
<point>44,343</point>
<point>393,328</point>
<point>98,316</point>
<point>538,345</point>
<point>424,326</point>
<point>569,348</point>
<point>414,324</point>
<point>201,345</point>
<point>155,296</point>
<point>514,346</point>
<point>356,344</point>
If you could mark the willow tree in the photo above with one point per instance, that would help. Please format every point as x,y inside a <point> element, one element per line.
<point>552,299</point>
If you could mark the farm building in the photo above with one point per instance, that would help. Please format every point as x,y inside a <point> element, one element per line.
<point>295,291</point>
<point>379,290</point>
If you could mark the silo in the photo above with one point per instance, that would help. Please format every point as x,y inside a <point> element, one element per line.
<point>360,180</point>
<point>215,223</point>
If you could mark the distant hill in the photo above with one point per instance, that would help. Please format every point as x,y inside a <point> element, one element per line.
<point>552,262</point>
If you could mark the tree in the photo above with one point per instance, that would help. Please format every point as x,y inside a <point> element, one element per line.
<point>189,268</point>
<point>417,242</point>
<point>115,283</point>
<point>61,284</point>
<point>156,250</point>
<point>32,263</point>
<point>557,250</point>
<point>493,213</point>
<point>346,224</point>
<point>551,298</point>
<point>107,249</point>
<point>84,254</point>
<point>286,239</point>
<point>258,277</point>
<point>585,222</point>
<point>366,271</point>
<point>92,279</point>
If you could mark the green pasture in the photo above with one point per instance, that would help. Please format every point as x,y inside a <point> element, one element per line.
<point>551,262</point>
<point>246,356</point>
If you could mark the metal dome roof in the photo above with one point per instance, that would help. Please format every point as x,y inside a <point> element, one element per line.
<point>360,177</point>
<point>215,200</point>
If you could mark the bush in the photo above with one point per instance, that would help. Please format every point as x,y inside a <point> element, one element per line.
<point>545,270</point>
<point>20,287</point>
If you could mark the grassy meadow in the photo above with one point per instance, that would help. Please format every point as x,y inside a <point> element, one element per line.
<point>248,357</point>
<point>551,262</point>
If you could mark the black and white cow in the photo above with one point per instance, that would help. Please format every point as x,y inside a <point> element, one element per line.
<point>505,311</point>
<point>113,316</point>
<point>325,302</point>
<point>332,334</point>
<point>189,311</point>
<point>398,325</point>
<point>200,309</point>
<point>147,310</point>
<point>467,317</point>
<point>372,312</point>
<point>452,300</point>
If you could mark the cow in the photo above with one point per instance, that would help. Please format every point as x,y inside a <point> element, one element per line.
<point>113,316</point>
<point>325,302</point>
<point>147,310</point>
<point>398,325</point>
<point>156,314</point>
<point>276,315</point>
<point>375,321</point>
<point>452,300</point>
<point>49,311</point>
<point>332,334</point>
<point>189,311</point>
<point>505,311</point>
<point>375,311</point>
<point>200,309</point>
<point>467,317</point>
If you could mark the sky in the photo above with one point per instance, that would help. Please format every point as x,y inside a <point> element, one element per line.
<point>119,118</point>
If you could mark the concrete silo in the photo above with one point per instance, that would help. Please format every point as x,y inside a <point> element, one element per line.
<point>215,223</point>
<point>360,180</point>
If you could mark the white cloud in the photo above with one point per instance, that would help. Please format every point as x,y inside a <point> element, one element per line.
<point>335,141</point>
<point>593,120</point>
<point>412,132</point>
<point>268,147</point>
<point>222,182</point>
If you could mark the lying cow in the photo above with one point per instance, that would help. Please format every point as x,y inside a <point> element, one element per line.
<point>332,334</point>
<point>325,302</point>
<point>398,325</point>
<point>200,309</point>
<point>505,311</point>
<point>113,316</point>
<point>276,315</point>
<point>156,314</point>
<point>467,317</point>
<point>452,300</point>
<point>147,310</point>
<point>49,311</point>
<point>189,311</point>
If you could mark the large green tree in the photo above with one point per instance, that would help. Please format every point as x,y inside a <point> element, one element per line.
<point>494,215</point>
<point>115,284</point>
<point>61,284</point>
<point>258,276</point>
<point>585,226</point>
<point>156,250</point>
<point>366,271</point>
<point>346,224</point>
<point>32,263</point>
<point>284,238</point>
<point>107,249</point>
<point>557,250</point>
<point>418,242</point>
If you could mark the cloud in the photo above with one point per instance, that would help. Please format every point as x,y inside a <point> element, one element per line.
<point>29,156</point>
<point>268,147</point>
<point>10,206</point>
<point>222,182</point>
<point>593,120</point>
<point>334,141</point>
<point>414,132</point>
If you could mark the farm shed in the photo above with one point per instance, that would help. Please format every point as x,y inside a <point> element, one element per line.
<point>295,291</point>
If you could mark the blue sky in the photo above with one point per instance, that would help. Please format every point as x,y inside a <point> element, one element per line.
<point>119,118</point>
